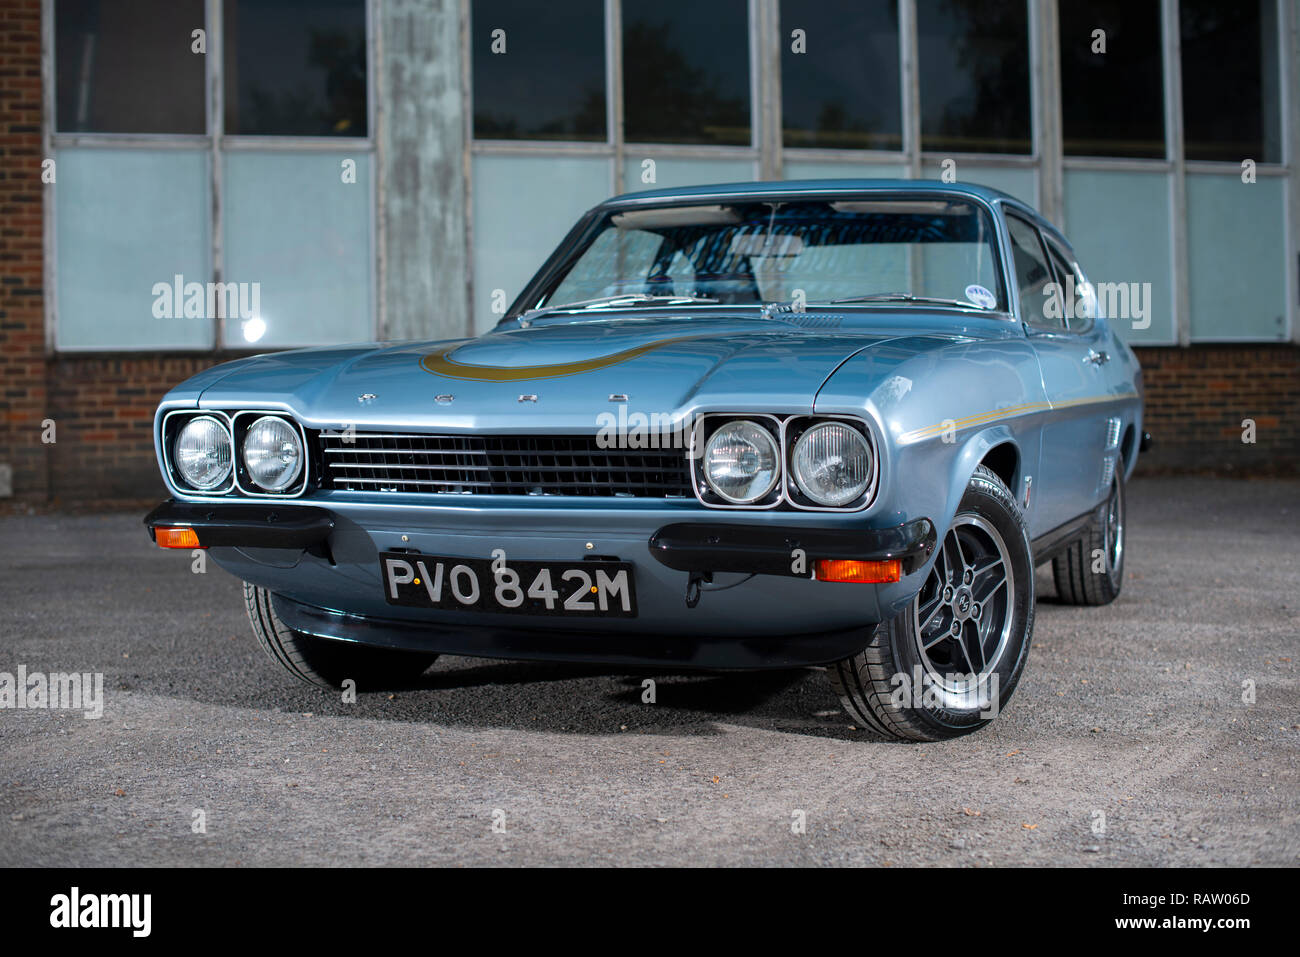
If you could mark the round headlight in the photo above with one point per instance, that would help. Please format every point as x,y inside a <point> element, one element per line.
<point>202,452</point>
<point>741,462</point>
<point>832,464</point>
<point>272,453</point>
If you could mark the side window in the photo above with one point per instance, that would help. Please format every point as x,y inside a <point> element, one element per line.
<point>1033,275</point>
<point>1075,289</point>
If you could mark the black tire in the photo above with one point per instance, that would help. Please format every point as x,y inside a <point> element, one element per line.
<point>894,687</point>
<point>1091,570</point>
<point>324,662</point>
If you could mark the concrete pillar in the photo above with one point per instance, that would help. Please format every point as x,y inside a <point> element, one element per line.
<point>422,214</point>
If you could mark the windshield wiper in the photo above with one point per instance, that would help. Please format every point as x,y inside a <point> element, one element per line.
<point>908,297</point>
<point>629,299</point>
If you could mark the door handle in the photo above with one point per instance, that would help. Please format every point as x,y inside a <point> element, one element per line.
<point>1096,358</point>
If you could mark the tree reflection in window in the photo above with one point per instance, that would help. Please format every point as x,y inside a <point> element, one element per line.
<point>686,71</point>
<point>974,65</point>
<point>295,68</point>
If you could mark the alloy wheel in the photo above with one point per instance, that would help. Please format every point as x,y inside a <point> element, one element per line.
<point>964,612</point>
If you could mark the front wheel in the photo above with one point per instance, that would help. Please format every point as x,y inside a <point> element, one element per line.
<point>948,663</point>
<point>325,662</point>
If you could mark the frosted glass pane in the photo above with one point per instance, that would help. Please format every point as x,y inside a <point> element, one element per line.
<point>293,226</point>
<point>127,220</point>
<point>1119,225</point>
<point>671,173</point>
<point>1019,183</point>
<point>816,169</point>
<point>1236,257</point>
<point>523,207</point>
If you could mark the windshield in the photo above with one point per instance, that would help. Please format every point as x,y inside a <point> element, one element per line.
<point>801,252</point>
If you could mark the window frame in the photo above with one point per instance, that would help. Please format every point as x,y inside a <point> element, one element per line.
<point>1162,47</point>
<point>1058,252</point>
<point>1032,327</point>
<point>1176,167</point>
<point>834,152</point>
<point>1046,164</point>
<point>217,144</point>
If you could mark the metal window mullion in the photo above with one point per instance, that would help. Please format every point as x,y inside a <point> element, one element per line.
<point>1045,92</point>
<point>910,86</point>
<point>1289,41</point>
<point>374,115</point>
<point>767,54</point>
<point>1174,151</point>
<point>378,122</point>
<point>234,143</point>
<point>614,91</point>
<point>466,159</point>
<point>150,141</point>
<point>834,155</point>
<point>48,244</point>
<point>216,129</point>
<point>909,67</point>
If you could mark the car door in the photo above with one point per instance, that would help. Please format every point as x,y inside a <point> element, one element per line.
<point>1074,432</point>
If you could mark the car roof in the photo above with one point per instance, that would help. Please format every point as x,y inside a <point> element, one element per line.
<point>813,188</point>
<point>806,187</point>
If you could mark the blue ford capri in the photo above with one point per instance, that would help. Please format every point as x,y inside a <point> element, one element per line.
<point>758,425</point>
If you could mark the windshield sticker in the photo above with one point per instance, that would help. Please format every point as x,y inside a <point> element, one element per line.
<point>981,296</point>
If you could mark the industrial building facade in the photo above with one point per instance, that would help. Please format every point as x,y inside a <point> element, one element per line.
<point>187,181</point>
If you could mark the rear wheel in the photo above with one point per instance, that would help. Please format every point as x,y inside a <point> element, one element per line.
<point>1091,570</point>
<point>325,662</point>
<point>948,663</point>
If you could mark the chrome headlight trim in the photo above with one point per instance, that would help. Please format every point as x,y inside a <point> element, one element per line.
<point>169,431</point>
<point>793,430</point>
<point>787,429</point>
<point>290,436</point>
<point>240,424</point>
<point>224,438</point>
<point>709,424</point>
<point>744,428</point>
<point>799,469</point>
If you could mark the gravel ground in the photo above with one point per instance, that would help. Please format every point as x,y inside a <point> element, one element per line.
<point>1131,714</point>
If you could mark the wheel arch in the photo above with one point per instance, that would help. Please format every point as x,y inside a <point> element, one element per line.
<point>995,447</point>
<point>1003,460</point>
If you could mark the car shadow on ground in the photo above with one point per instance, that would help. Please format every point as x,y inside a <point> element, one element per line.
<point>541,696</point>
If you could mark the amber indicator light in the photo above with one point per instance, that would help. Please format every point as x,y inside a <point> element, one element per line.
<point>846,570</point>
<point>176,538</point>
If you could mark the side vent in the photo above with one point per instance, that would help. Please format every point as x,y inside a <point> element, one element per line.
<point>1111,455</point>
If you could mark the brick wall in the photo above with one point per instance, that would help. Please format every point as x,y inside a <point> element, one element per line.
<point>22,323</point>
<point>103,408</point>
<point>1198,397</point>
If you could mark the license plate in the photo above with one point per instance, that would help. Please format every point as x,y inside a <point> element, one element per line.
<point>592,589</point>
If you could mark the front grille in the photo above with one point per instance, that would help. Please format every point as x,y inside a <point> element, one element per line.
<point>500,465</point>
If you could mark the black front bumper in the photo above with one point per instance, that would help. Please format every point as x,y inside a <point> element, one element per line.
<point>771,549</point>
<point>683,546</point>
<point>250,525</point>
<point>697,549</point>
